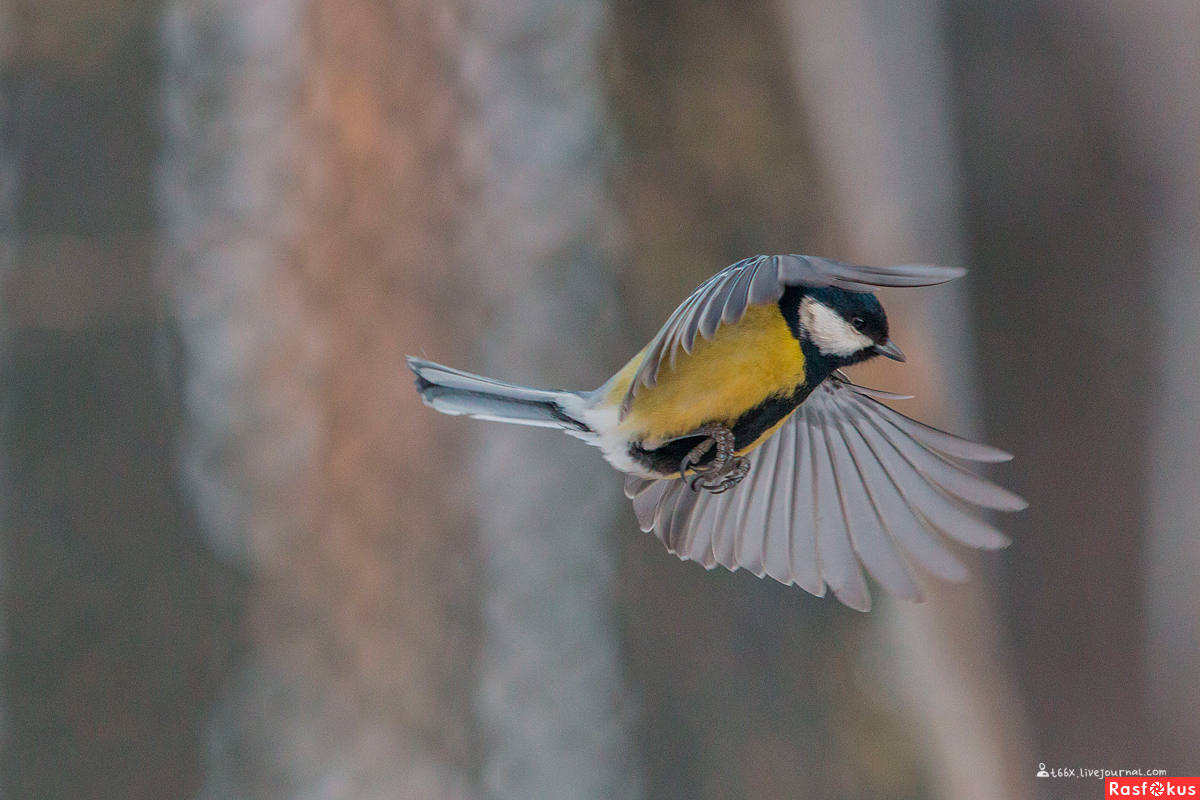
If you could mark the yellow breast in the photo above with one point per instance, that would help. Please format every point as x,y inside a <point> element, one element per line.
<point>740,367</point>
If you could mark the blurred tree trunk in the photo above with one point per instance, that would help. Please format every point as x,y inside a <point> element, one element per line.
<point>8,163</point>
<point>1161,86</point>
<point>8,249</point>
<point>311,213</point>
<point>1060,219</point>
<point>874,77</point>
<point>119,622</point>
<point>555,717</point>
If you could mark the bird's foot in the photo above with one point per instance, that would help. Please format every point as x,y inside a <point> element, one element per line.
<point>724,471</point>
<point>721,481</point>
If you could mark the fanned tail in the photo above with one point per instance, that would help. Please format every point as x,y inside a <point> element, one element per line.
<point>452,391</point>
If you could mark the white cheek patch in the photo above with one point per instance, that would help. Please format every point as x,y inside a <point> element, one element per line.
<point>825,328</point>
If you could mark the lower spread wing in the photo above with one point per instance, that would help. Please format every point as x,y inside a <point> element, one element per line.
<point>724,298</point>
<point>845,481</point>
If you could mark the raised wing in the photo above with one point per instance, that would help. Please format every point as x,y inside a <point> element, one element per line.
<point>845,481</point>
<point>724,298</point>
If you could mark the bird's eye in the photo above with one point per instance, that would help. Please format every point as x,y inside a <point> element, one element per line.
<point>858,323</point>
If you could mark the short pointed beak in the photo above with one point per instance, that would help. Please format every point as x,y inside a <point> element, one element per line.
<point>890,350</point>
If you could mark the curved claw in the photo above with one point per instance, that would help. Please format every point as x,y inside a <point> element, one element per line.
<point>695,454</point>
<point>717,435</point>
<point>723,471</point>
<point>740,466</point>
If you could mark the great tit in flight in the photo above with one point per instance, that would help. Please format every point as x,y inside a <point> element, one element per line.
<point>744,445</point>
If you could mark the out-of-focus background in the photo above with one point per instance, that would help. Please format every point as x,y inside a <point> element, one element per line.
<point>240,560</point>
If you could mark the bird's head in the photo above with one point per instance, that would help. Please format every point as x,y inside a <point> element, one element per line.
<point>844,327</point>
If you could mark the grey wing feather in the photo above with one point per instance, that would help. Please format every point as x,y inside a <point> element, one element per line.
<point>896,511</point>
<point>635,486</point>
<point>839,568</point>
<point>739,293</point>
<point>845,482</point>
<point>866,523</point>
<point>759,280</point>
<point>777,505</point>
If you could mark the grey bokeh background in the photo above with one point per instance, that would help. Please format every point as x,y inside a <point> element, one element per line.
<point>239,558</point>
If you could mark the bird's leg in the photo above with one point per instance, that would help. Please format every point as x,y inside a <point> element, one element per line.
<point>694,455</point>
<point>724,471</point>
<point>717,435</point>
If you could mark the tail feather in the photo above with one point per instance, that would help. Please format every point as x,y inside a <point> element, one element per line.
<point>452,391</point>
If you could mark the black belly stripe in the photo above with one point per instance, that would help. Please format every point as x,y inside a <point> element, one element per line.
<point>746,431</point>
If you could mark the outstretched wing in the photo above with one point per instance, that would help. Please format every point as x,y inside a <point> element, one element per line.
<point>845,481</point>
<point>724,298</point>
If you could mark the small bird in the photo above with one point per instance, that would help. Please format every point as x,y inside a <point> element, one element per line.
<point>744,445</point>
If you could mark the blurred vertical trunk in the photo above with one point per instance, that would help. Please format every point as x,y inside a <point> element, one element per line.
<point>118,620</point>
<point>543,239</point>
<point>8,163</point>
<point>310,212</point>
<point>1059,207</point>
<point>874,79</point>
<point>1162,89</point>
<point>8,246</point>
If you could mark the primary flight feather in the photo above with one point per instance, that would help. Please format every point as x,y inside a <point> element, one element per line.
<point>744,446</point>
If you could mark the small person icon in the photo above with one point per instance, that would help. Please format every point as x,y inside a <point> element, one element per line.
<point>1041,773</point>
